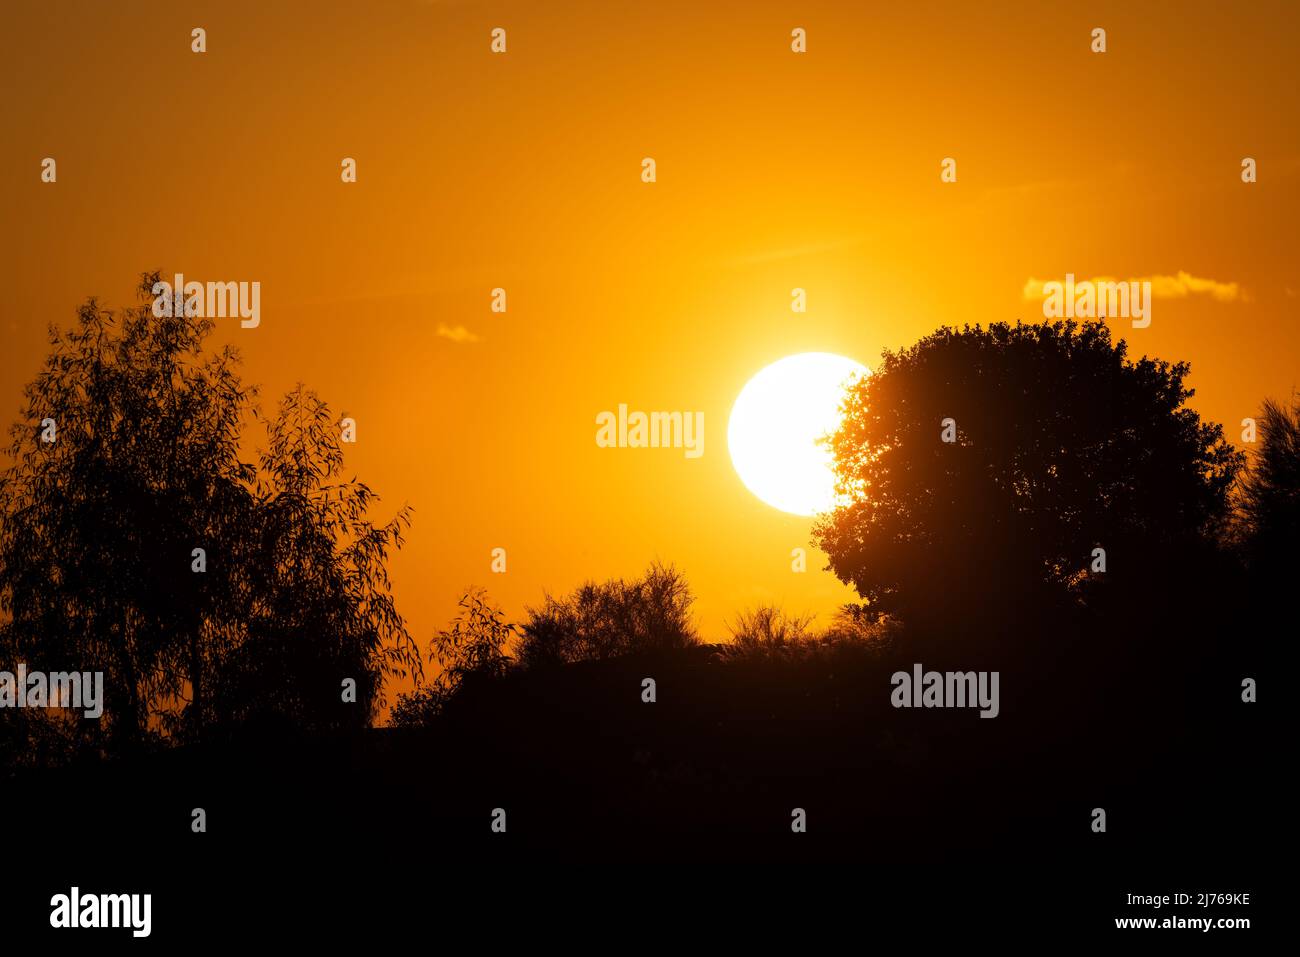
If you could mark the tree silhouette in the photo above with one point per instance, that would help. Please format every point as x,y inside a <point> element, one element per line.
<point>320,609</point>
<point>1269,512</point>
<point>613,618</point>
<point>1061,445</point>
<point>127,462</point>
<point>598,622</point>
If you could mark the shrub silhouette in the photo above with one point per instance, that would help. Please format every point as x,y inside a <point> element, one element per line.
<point>611,619</point>
<point>769,633</point>
<point>858,623</point>
<point>476,645</point>
<point>1063,445</point>
<point>767,630</point>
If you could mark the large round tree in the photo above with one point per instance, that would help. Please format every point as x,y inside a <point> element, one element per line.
<point>985,468</point>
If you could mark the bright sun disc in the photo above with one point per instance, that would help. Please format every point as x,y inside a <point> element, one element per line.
<point>776,422</point>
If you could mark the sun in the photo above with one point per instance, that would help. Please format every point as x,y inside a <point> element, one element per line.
<point>775,424</point>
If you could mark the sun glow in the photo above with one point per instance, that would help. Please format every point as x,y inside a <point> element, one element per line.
<point>776,423</point>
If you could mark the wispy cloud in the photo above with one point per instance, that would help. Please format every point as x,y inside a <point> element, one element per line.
<point>1162,287</point>
<point>456,333</point>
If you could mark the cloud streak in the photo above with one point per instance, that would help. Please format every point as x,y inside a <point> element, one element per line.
<point>457,334</point>
<point>1181,286</point>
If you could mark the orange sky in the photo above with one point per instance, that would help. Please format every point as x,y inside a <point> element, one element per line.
<point>522,171</point>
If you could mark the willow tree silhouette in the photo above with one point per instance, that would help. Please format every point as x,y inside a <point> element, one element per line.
<point>986,466</point>
<point>318,609</point>
<point>136,541</point>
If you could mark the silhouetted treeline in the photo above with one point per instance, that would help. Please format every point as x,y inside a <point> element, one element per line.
<point>605,729</point>
<point>1026,498</point>
<point>1022,498</point>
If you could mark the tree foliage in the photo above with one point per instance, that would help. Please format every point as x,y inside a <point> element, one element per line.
<point>320,605</point>
<point>1063,445</point>
<point>100,528</point>
<point>1269,505</point>
<point>612,618</point>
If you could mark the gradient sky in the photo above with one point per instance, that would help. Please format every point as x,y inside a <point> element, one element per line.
<point>522,171</point>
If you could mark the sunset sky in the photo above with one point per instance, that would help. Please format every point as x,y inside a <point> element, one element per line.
<point>775,170</point>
